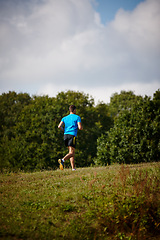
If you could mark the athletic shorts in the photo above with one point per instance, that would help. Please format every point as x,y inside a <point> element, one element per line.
<point>70,140</point>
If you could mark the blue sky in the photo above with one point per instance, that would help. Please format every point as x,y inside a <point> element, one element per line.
<point>108,8</point>
<point>98,47</point>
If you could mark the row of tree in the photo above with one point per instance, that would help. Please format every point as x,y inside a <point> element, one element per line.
<point>125,130</point>
<point>29,137</point>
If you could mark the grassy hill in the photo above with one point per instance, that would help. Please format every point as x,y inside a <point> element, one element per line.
<point>114,202</point>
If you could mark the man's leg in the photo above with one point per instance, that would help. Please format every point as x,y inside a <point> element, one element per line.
<point>72,150</point>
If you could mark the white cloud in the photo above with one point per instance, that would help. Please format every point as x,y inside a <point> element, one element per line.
<point>49,46</point>
<point>104,94</point>
<point>140,27</point>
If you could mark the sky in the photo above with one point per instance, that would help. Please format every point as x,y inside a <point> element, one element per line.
<point>98,47</point>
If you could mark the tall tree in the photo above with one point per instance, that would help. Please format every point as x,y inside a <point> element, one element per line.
<point>123,101</point>
<point>135,135</point>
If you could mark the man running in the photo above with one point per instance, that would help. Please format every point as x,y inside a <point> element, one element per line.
<point>72,123</point>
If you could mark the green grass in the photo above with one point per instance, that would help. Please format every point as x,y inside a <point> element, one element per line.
<point>115,202</point>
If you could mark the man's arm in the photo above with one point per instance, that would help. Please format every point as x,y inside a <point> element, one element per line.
<point>80,126</point>
<point>60,126</point>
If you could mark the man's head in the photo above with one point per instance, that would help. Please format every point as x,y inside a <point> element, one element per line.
<point>72,109</point>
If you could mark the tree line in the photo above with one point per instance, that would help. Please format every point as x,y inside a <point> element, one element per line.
<point>125,131</point>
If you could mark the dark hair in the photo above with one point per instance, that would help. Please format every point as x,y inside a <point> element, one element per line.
<point>72,108</point>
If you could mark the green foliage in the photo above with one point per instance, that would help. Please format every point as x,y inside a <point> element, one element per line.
<point>103,157</point>
<point>11,105</point>
<point>113,203</point>
<point>135,135</point>
<point>123,101</point>
<point>32,142</point>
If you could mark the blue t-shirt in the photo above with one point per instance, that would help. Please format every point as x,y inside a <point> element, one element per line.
<point>71,124</point>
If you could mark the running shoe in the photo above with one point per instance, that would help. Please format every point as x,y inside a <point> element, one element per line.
<point>61,164</point>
